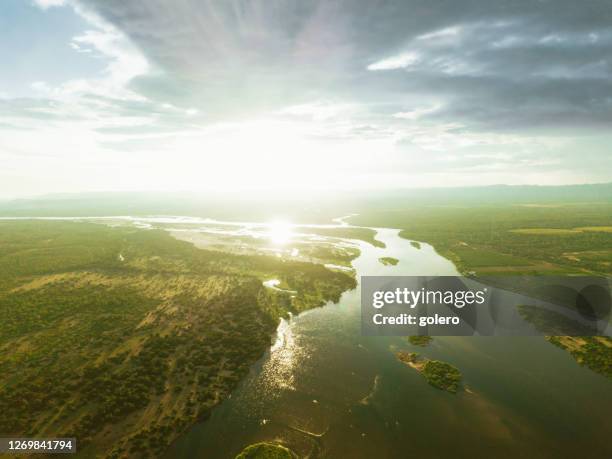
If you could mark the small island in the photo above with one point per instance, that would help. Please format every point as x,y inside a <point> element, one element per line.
<point>415,244</point>
<point>266,450</point>
<point>388,261</point>
<point>437,373</point>
<point>420,340</point>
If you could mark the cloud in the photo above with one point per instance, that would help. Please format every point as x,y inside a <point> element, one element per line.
<point>317,111</point>
<point>417,112</point>
<point>46,4</point>
<point>445,33</point>
<point>239,59</point>
<point>401,61</point>
<point>392,80</point>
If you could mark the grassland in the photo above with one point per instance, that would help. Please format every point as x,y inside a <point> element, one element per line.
<point>123,338</point>
<point>545,231</point>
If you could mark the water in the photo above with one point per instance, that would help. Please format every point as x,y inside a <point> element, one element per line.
<point>326,391</point>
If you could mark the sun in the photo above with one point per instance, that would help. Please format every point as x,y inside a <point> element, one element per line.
<point>279,232</point>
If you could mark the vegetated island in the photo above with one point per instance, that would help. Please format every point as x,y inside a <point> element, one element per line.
<point>415,244</point>
<point>266,450</point>
<point>420,340</point>
<point>439,374</point>
<point>388,261</point>
<point>363,234</point>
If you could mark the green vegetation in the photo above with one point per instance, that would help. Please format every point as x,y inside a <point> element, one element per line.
<point>510,239</point>
<point>123,338</point>
<point>600,229</point>
<point>554,231</point>
<point>409,358</point>
<point>553,323</point>
<point>266,451</point>
<point>328,253</point>
<point>363,234</point>
<point>388,261</point>
<point>319,251</point>
<point>420,340</point>
<point>594,352</point>
<point>551,231</point>
<point>442,375</point>
<point>439,374</point>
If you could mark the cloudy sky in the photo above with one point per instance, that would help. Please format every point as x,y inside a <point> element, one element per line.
<point>302,94</point>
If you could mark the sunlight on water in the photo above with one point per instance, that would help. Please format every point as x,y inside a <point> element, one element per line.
<point>279,232</point>
<point>279,369</point>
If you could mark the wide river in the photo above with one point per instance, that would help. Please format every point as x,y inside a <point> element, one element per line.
<point>326,391</point>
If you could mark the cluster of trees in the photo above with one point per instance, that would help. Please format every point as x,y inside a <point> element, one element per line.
<point>442,375</point>
<point>420,340</point>
<point>594,352</point>
<point>329,253</point>
<point>364,234</point>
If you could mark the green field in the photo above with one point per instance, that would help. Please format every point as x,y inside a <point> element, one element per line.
<point>557,231</point>
<point>124,338</point>
<point>544,231</point>
<point>597,229</point>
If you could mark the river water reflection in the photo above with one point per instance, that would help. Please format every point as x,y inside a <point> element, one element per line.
<point>326,391</point>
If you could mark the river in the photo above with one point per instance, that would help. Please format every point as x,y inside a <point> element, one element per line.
<point>325,391</point>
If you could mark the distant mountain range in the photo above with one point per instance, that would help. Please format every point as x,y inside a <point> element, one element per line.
<point>316,206</point>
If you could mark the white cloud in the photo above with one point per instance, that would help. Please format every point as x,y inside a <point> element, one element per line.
<point>317,111</point>
<point>400,61</point>
<point>299,114</point>
<point>46,4</point>
<point>126,62</point>
<point>417,112</point>
<point>442,33</point>
<point>40,86</point>
<point>552,38</point>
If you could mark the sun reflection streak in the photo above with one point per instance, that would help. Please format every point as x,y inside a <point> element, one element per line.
<point>284,355</point>
<point>279,232</point>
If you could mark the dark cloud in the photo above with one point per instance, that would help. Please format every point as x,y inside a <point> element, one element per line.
<point>509,65</point>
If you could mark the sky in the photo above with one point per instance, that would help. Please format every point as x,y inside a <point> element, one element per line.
<point>169,95</point>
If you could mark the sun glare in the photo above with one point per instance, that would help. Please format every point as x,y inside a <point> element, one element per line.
<point>279,232</point>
